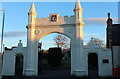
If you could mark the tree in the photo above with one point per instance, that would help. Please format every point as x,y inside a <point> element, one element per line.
<point>97,42</point>
<point>62,41</point>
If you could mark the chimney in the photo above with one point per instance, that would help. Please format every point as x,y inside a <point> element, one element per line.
<point>109,20</point>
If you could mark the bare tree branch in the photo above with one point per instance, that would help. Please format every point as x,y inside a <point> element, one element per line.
<point>98,42</point>
<point>62,41</point>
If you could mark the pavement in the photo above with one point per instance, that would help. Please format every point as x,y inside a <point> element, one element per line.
<point>56,74</point>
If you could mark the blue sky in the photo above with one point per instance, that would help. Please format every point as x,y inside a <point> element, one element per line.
<point>94,16</point>
<point>59,0</point>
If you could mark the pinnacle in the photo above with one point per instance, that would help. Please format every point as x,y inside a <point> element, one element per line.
<point>78,5</point>
<point>32,9</point>
<point>78,1</point>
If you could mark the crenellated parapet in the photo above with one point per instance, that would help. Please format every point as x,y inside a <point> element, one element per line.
<point>69,20</point>
<point>59,20</point>
<point>54,19</point>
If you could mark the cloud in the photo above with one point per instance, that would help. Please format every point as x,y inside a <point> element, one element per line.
<point>11,34</point>
<point>98,21</point>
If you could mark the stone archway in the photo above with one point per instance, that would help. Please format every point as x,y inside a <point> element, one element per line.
<point>71,26</point>
<point>44,56</point>
<point>51,33</point>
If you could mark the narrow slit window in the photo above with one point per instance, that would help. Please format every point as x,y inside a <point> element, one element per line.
<point>78,15</point>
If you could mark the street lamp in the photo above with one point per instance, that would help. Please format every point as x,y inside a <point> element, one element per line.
<point>2,29</point>
<point>2,43</point>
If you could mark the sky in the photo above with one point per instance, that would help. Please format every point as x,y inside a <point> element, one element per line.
<point>59,0</point>
<point>94,16</point>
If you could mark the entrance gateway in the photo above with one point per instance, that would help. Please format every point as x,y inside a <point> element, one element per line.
<point>70,26</point>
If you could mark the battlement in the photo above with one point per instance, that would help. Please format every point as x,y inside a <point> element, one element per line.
<point>67,17</point>
<point>69,20</point>
<point>59,20</point>
<point>43,18</point>
<point>60,17</point>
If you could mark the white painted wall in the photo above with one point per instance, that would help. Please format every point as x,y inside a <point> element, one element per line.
<point>8,63</point>
<point>9,59</point>
<point>105,69</point>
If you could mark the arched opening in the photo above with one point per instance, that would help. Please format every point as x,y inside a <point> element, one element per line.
<point>19,64</point>
<point>92,64</point>
<point>60,54</point>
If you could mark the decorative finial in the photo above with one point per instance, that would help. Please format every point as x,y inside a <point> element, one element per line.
<point>20,41</point>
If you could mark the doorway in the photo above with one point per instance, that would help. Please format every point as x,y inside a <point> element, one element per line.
<point>19,64</point>
<point>92,64</point>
